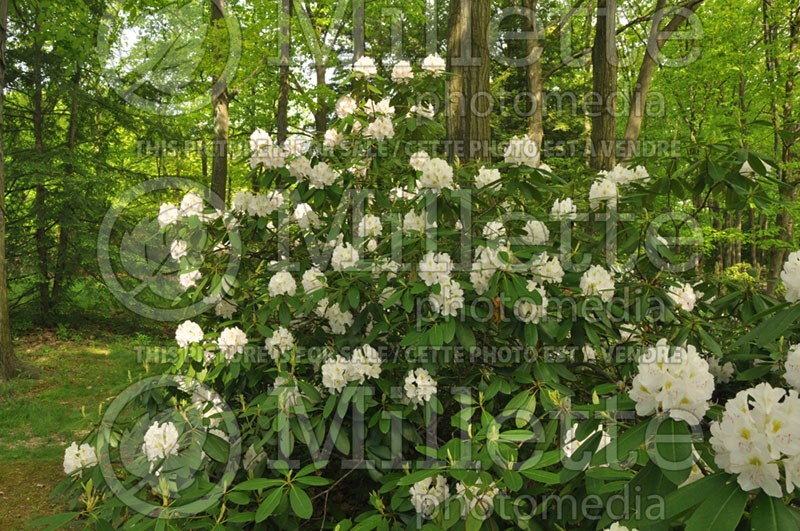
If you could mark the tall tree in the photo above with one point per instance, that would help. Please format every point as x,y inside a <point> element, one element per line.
<point>788,189</point>
<point>283,81</point>
<point>468,96</point>
<point>655,43</point>
<point>535,124</point>
<point>604,87</point>
<point>9,366</point>
<point>219,100</point>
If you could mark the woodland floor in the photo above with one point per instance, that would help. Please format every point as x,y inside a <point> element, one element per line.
<point>78,370</point>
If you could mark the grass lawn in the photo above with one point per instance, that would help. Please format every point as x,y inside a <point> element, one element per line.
<point>39,418</point>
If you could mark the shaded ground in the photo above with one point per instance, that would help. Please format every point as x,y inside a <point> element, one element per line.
<point>39,418</point>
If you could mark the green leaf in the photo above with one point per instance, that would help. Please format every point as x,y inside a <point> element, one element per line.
<point>770,514</point>
<point>56,521</point>
<point>258,484</point>
<point>692,494</point>
<point>269,504</point>
<point>465,336</point>
<point>301,503</point>
<point>772,328</point>
<point>709,342</point>
<point>672,450</point>
<point>419,475</point>
<point>721,511</point>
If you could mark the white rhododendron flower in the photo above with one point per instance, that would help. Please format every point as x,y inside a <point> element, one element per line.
<point>168,214</point>
<point>344,256</point>
<point>160,441</point>
<point>549,270</point>
<point>334,374</point>
<point>603,191</point>
<point>382,107</point>
<point>282,283</point>
<point>338,320</point>
<point>225,309</point>
<point>313,280</point>
<point>402,72</point>
<point>365,67</point>
<point>597,281</point>
<point>428,493</point>
<point>683,296</point>
<point>232,341</point>
<point>189,280</point>
<point>436,175</point>
<point>280,342</point>
<point>413,222</point>
<point>792,365</point>
<point>419,386</point>
<point>449,300</point>
<point>425,110</point>
<point>418,160</point>
<point>791,277</point>
<point>305,217</point>
<point>434,64</point>
<point>191,205</point>
<point>333,138</point>
<point>723,373</point>
<point>494,231</point>
<point>522,151</point>
<point>300,167</point>
<point>322,175</point>
<point>346,106</point>
<point>364,363</point>
<point>434,268</point>
<point>476,499</point>
<point>487,177</point>
<point>381,129</point>
<point>259,139</point>
<point>759,431</point>
<point>188,332</point>
<point>241,201</point>
<point>178,249</point>
<point>297,145</point>
<point>263,205</point>
<point>527,310</point>
<point>76,458</point>
<point>370,226</point>
<point>564,209</point>
<point>673,379</point>
<point>339,371</point>
<point>536,233</point>
<point>617,527</point>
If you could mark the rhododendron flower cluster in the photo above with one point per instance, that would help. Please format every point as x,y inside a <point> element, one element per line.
<point>77,458</point>
<point>428,494</point>
<point>598,281</point>
<point>673,379</point>
<point>683,296</point>
<point>759,435</point>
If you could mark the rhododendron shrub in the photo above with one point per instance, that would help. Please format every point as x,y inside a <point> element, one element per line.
<point>415,342</point>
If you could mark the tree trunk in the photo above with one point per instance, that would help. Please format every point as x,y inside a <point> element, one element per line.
<point>283,81</point>
<point>604,87</point>
<point>219,98</point>
<point>655,42</point>
<point>359,37</point>
<point>40,235</point>
<point>535,121</point>
<point>321,114</point>
<point>468,96</point>
<point>788,189</point>
<point>9,365</point>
